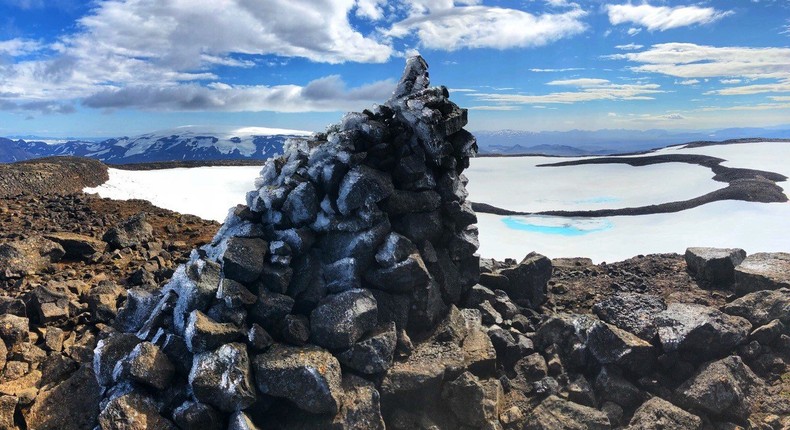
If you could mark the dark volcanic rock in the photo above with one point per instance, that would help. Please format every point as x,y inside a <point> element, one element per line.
<point>354,240</point>
<point>130,233</point>
<point>222,378</point>
<point>26,257</point>
<point>526,282</point>
<point>77,246</point>
<point>308,376</point>
<point>659,414</point>
<point>373,353</point>
<point>724,388</point>
<point>763,271</point>
<point>133,412</point>
<point>243,259</point>
<point>714,267</point>
<point>632,312</point>
<point>703,332</point>
<point>761,307</point>
<point>555,413</point>
<point>341,319</point>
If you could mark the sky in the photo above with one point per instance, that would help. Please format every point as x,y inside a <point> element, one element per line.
<point>113,68</point>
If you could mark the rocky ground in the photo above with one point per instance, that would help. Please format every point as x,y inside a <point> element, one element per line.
<point>49,350</point>
<point>52,175</point>
<point>60,283</point>
<point>346,295</point>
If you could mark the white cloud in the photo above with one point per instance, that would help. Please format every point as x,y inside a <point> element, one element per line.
<point>567,69</point>
<point>325,94</point>
<point>780,98</point>
<point>588,90</point>
<point>690,61</point>
<point>633,31</point>
<point>456,28</point>
<point>370,9</point>
<point>629,47</point>
<point>730,81</point>
<point>688,82</point>
<point>581,82</point>
<point>18,47</point>
<point>662,17</point>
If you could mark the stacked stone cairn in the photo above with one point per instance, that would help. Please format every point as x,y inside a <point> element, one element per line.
<point>354,242</point>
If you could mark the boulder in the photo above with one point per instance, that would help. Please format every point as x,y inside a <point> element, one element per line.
<point>308,376</point>
<point>131,232</point>
<point>374,352</point>
<point>136,310</point>
<point>270,309</point>
<point>474,402</point>
<point>234,294</point>
<point>702,332</point>
<point>14,329</point>
<point>148,365</point>
<point>714,267</point>
<point>110,351</point>
<point>341,319</point>
<point>133,412</point>
<point>7,409</point>
<point>241,421</point>
<point>363,186</point>
<point>611,345</point>
<point>555,413</point>
<point>762,307</point>
<point>632,312</point>
<point>659,414</point>
<point>77,246</point>
<point>301,205</point>
<point>26,257</point>
<point>222,378</point>
<point>204,334</point>
<point>612,386</point>
<point>401,277</point>
<point>197,416</point>
<point>360,409</point>
<point>70,405</point>
<point>763,271</point>
<point>526,282</point>
<point>244,258</point>
<point>726,388</point>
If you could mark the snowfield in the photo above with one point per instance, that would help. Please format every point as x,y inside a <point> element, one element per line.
<point>516,183</point>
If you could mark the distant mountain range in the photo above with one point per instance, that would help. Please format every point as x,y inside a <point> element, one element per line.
<point>181,144</point>
<point>192,143</point>
<point>606,142</point>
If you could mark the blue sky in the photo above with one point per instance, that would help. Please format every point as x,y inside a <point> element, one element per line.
<point>125,67</point>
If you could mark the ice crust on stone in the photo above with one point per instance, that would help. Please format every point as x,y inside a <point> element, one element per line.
<point>318,243</point>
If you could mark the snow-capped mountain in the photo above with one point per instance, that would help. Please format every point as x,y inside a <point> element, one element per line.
<point>183,143</point>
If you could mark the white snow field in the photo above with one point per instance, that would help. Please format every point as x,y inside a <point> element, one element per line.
<point>208,192</point>
<point>515,183</point>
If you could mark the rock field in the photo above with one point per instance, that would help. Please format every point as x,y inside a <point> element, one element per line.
<point>347,294</point>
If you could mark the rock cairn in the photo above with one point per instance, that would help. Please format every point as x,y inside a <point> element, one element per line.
<point>353,242</point>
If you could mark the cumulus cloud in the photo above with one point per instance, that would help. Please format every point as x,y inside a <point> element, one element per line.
<point>588,89</point>
<point>487,27</point>
<point>325,94</point>
<point>662,17</point>
<point>688,82</point>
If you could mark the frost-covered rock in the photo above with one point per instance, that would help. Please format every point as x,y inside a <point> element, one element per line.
<point>353,240</point>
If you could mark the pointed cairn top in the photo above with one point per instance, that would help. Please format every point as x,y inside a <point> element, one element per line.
<point>415,77</point>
